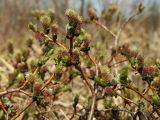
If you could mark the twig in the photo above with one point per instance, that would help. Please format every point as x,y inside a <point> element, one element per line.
<point>122,27</point>
<point>13,90</point>
<point>104,27</point>
<point>110,109</point>
<point>92,91</point>
<point>125,98</point>
<point>31,100</point>
<point>7,64</point>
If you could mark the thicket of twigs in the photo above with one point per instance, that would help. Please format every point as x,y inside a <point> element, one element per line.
<point>69,76</point>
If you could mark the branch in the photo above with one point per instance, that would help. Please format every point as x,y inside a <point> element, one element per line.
<point>103,27</point>
<point>92,91</point>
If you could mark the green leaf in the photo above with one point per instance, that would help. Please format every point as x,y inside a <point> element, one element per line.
<point>32,26</point>
<point>156,101</point>
<point>100,81</point>
<point>158,63</point>
<point>1,114</point>
<point>123,74</point>
<point>141,106</point>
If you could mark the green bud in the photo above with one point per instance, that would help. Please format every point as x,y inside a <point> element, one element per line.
<point>32,27</point>
<point>140,8</point>
<point>45,20</point>
<point>73,16</point>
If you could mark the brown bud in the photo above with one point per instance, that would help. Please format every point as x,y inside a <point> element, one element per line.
<point>36,88</point>
<point>148,70</point>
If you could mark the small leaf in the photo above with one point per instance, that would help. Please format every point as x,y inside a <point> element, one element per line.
<point>123,76</point>
<point>156,101</point>
<point>158,63</point>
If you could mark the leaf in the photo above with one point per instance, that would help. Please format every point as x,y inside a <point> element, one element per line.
<point>158,63</point>
<point>141,106</point>
<point>100,81</point>
<point>123,74</point>
<point>156,101</point>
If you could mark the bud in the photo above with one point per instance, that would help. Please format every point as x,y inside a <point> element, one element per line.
<point>22,66</point>
<point>32,27</point>
<point>29,42</point>
<point>64,58</point>
<point>92,13</point>
<point>37,13</point>
<point>30,77</point>
<point>112,8</point>
<point>46,93</point>
<point>36,88</point>
<point>54,30</point>
<point>109,91</point>
<point>73,16</point>
<point>45,20</point>
<point>51,13</point>
<point>75,58</point>
<point>20,77</point>
<point>140,8</point>
<point>148,73</point>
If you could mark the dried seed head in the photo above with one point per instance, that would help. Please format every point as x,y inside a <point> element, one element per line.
<point>73,16</point>
<point>45,20</point>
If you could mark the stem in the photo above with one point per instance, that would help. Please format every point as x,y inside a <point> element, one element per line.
<point>71,47</point>
<point>13,90</point>
<point>103,27</point>
<point>94,62</point>
<point>92,91</point>
<point>122,27</point>
<point>22,110</point>
<point>31,100</point>
<point>125,98</point>
<point>138,92</point>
